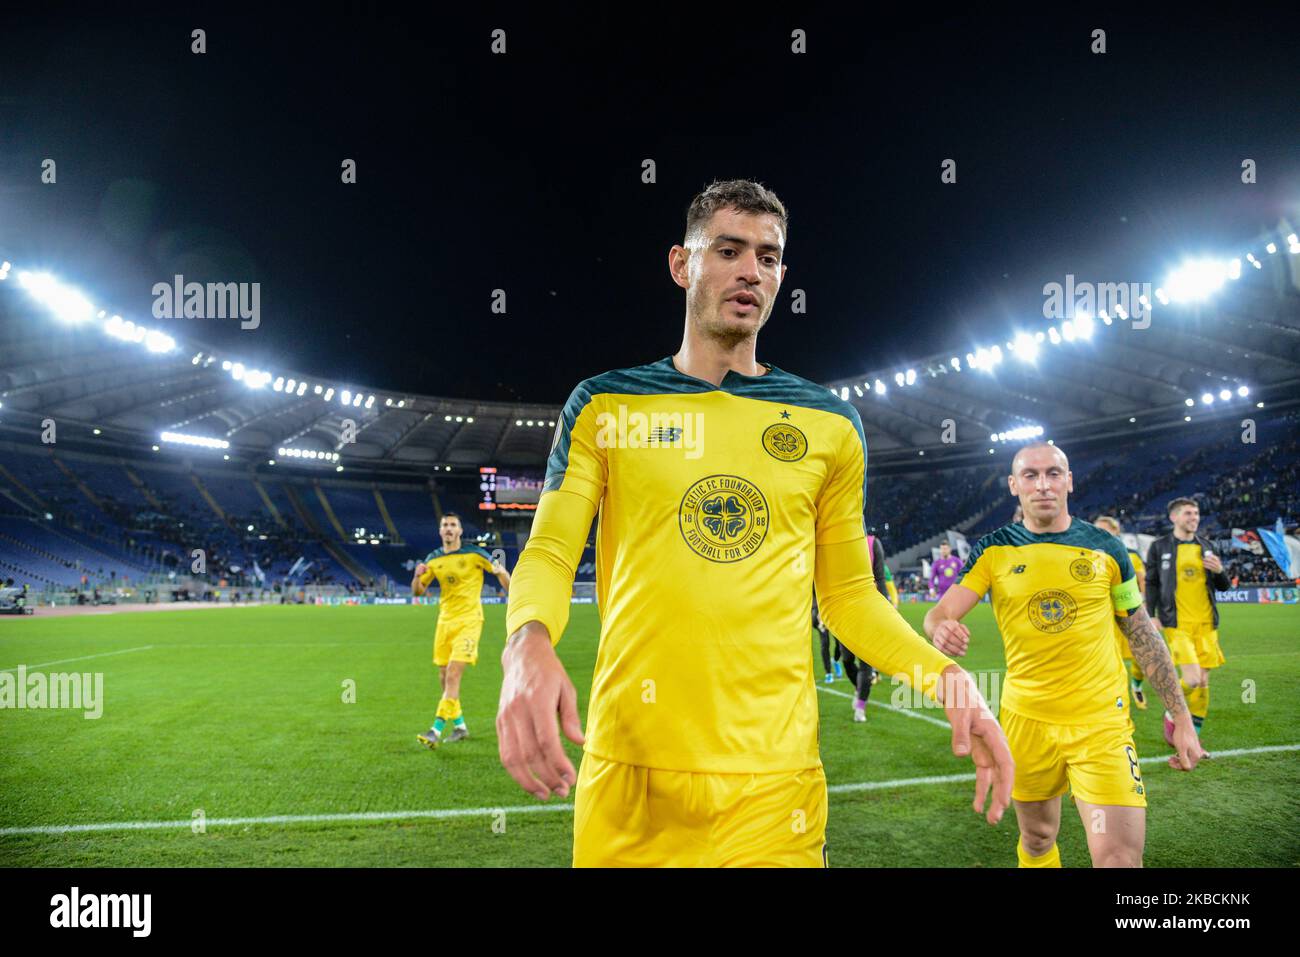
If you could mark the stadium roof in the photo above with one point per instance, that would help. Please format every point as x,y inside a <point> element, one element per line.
<point>1232,342</point>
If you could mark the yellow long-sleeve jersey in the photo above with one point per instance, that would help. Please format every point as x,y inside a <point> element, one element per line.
<point>719,507</point>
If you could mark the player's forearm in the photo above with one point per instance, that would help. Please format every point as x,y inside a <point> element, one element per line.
<point>1152,654</point>
<point>866,622</point>
<point>542,584</point>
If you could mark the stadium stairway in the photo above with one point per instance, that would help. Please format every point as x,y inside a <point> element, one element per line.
<point>13,480</point>
<point>329,511</point>
<point>81,486</point>
<point>270,506</point>
<point>207,497</point>
<point>144,490</point>
<point>388,519</point>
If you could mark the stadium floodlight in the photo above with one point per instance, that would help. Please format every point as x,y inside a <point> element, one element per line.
<point>401,403</point>
<point>1243,391</point>
<point>1067,330</point>
<point>1234,269</point>
<point>470,418</point>
<point>446,418</point>
<point>460,418</point>
<point>1053,335</point>
<point>1132,419</point>
<point>993,437</point>
<point>225,365</point>
<point>1250,258</point>
<point>1189,402</point>
<point>302,388</point>
<point>329,394</point>
<point>1207,397</point>
<point>844,394</point>
<point>1187,418</point>
<point>1083,325</point>
<point>899,379</point>
<point>1259,405</point>
<point>1162,295</point>
<point>370,400</point>
<point>156,341</point>
<point>1225,394</point>
<point>880,387</point>
<point>237,371</point>
<point>345,397</point>
<point>519,421</point>
<point>1025,347</point>
<point>1271,248</point>
<point>530,421</point>
<point>1194,281</point>
<point>201,441</point>
<point>338,468</point>
<point>911,376</point>
<point>278,384</point>
<point>388,402</point>
<point>995,355</point>
<point>857,390</point>
<point>67,304</point>
<point>955,363</point>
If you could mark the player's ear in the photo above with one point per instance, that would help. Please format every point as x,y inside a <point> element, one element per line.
<point>1069,482</point>
<point>679,266</point>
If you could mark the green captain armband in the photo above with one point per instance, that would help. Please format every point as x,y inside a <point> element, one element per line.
<point>1126,595</point>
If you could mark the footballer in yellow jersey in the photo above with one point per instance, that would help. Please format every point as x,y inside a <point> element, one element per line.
<point>724,490</point>
<point>1058,584</point>
<point>459,570</point>
<point>1111,525</point>
<point>1184,572</point>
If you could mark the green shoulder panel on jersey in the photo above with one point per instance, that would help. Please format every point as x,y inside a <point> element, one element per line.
<point>432,555</point>
<point>1080,533</point>
<point>477,550</point>
<point>663,378</point>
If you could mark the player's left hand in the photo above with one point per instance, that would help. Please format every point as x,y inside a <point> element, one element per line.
<point>1212,563</point>
<point>976,732</point>
<point>1188,745</point>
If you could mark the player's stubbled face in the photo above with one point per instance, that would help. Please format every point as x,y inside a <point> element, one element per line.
<point>1042,482</point>
<point>450,531</point>
<point>735,273</point>
<point>1188,519</point>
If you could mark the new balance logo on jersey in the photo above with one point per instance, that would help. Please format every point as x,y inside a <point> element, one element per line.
<point>638,430</point>
<point>1017,569</point>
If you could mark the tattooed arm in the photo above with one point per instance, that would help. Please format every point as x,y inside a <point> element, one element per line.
<point>1151,652</point>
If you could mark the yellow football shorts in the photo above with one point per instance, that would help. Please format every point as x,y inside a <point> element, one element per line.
<point>1195,646</point>
<point>628,816</point>
<point>456,640</point>
<point>1097,761</point>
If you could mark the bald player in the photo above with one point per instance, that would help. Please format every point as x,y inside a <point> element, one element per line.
<point>1058,584</point>
<point>726,489</point>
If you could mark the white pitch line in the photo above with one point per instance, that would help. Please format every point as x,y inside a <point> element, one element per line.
<point>64,661</point>
<point>889,707</point>
<point>946,778</point>
<point>444,813</point>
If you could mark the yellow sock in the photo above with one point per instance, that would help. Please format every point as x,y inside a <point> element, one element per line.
<point>1134,669</point>
<point>1198,701</point>
<point>1051,859</point>
<point>448,708</point>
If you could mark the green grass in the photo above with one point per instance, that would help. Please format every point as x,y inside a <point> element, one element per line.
<point>239,712</point>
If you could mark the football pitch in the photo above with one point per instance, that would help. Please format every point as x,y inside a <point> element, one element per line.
<point>285,736</point>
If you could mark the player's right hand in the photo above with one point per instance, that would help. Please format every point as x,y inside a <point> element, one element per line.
<point>952,638</point>
<point>536,689</point>
<point>420,569</point>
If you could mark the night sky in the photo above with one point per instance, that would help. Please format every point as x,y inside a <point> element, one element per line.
<point>523,172</point>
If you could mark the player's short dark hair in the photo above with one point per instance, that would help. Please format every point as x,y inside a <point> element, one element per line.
<point>1179,503</point>
<point>455,515</point>
<point>741,194</point>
